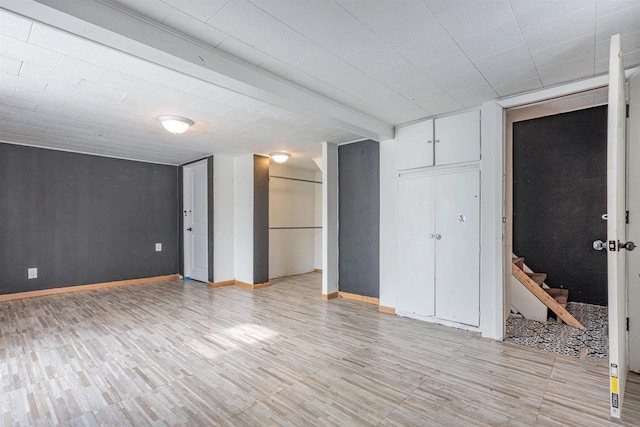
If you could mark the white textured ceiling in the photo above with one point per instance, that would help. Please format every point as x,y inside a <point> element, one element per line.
<point>395,60</point>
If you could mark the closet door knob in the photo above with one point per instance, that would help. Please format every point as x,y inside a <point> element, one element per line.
<point>431,236</point>
<point>438,237</point>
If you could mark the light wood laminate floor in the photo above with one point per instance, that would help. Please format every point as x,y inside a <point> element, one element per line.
<point>176,353</point>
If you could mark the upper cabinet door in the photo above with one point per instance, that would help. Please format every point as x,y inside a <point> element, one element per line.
<point>415,145</point>
<point>457,138</point>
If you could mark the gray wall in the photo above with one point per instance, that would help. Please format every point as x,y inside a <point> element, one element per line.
<point>210,215</point>
<point>260,219</point>
<point>359,218</point>
<point>83,219</point>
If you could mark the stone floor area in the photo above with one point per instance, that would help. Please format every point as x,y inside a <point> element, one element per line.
<point>562,338</point>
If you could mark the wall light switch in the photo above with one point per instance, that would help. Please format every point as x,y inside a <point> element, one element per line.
<point>158,247</point>
<point>32,273</point>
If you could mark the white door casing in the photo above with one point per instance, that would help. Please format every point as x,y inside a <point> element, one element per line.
<point>616,207</point>
<point>195,222</point>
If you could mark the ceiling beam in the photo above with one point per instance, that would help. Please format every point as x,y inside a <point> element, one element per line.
<point>128,32</point>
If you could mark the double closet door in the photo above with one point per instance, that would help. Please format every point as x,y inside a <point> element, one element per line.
<point>439,246</point>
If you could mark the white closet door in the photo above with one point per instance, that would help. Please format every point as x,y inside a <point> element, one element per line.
<point>457,138</point>
<point>457,276</point>
<point>415,145</point>
<point>416,250</point>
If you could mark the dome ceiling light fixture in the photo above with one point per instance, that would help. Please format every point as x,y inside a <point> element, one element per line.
<point>280,156</point>
<point>175,124</point>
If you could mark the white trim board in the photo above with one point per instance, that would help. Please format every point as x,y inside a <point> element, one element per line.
<point>558,91</point>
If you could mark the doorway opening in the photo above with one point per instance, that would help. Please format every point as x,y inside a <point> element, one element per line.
<point>195,221</point>
<point>555,202</point>
<point>295,219</point>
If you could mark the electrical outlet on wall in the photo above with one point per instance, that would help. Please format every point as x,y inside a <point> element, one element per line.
<point>32,273</point>
<point>158,247</point>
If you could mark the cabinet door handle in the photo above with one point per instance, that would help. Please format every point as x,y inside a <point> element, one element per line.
<point>438,237</point>
<point>437,140</point>
<point>431,236</point>
<point>428,141</point>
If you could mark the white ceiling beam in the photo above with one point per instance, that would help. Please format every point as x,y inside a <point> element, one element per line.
<point>123,30</point>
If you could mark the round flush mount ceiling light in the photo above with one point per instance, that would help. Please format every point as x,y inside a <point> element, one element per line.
<point>280,157</point>
<point>175,124</point>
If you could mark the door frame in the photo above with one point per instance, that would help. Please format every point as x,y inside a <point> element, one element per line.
<point>186,198</point>
<point>535,110</point>
<point>495,259</point>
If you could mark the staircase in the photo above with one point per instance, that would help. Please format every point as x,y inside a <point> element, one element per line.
<point>554,299</point>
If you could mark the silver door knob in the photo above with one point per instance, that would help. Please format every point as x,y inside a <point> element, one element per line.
<point>599,245</point>
<point>431,236</point>
<point>438,237</point>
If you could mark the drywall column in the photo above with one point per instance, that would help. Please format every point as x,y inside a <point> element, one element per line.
<point>210,210</point>
<point>329,220</point>
<point>492,285</point>
<point>388,191</point>
<point>359,218</point>
<point>243,226</point>
<point>223,220</point>
<point>251,228</point>
<point>260,219</point>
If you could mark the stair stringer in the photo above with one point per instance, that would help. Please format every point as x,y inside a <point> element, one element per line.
<point>526,303</point>
<point>544,297</point>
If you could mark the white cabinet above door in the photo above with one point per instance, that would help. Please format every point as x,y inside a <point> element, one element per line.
<point>457,138</point>
<point>441,141</point>
<point>415,145</point>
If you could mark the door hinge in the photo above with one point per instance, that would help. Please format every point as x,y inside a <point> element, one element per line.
<point>627,323</point>
<point>627,218</point>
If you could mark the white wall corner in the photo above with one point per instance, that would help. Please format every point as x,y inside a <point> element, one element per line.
<point>317,221</point>
<point>243,218</point>
<point>329,218</point>
<point>388,191</point>
<point>492,289</point>
<point>223,219</point>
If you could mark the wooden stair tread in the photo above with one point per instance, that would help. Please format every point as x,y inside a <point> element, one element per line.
<point>519,261</point>
<point>538,278</point>
<point>560,295</point>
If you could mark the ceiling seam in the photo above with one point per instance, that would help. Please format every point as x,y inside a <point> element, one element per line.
<point>526,44</point>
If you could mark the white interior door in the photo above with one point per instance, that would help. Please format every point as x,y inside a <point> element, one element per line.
<point>616,207</point>
<point>458,247</point>
<point>195,222</point>
<point>633,229</point>
<point>416,241</point>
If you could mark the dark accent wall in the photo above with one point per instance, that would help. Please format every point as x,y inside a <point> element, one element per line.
<point>359,218</point>
<point>181,220</point>
<point>260,219</point>
<point>83,219</point>
<point>210,215</point>
<point>559,197</point>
